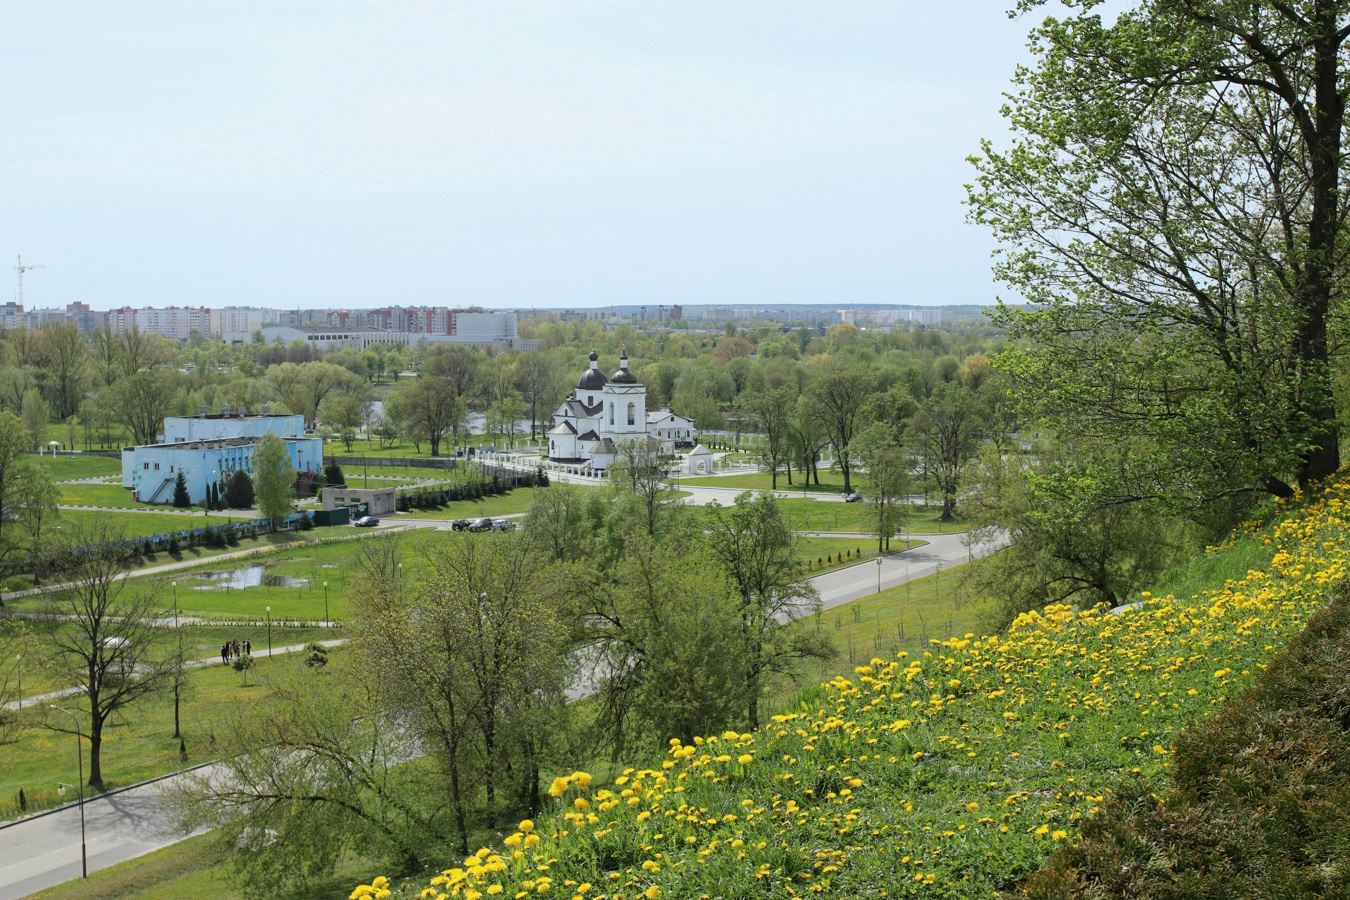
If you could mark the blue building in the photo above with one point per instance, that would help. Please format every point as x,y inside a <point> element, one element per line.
<point>221,425</point>
<point>152,469</point>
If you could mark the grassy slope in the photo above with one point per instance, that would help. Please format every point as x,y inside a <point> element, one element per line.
<point>954,772</point>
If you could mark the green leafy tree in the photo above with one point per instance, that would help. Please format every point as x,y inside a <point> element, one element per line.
<point>1069,541</point>
<point>475,658</point>
<point>273,479</point>
<point>773,417</point>
<point>140,403</point>
<point>836,402</point>
<point>332,473</point>
<point>1173,203</point>
<point>944,435</point>
<point>322,778</point>
<point>758,552</point>
<point>885,481</point>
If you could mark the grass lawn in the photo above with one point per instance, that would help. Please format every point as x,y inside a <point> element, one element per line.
<point>902,618</point>
<point>99,495</point>
<point>63,468</point>
<point>189,869</point>
<point>136,746</point>
<point>830,482</point>
<point>517,501</point>
<point>138,524</point>
<point>804,514</point>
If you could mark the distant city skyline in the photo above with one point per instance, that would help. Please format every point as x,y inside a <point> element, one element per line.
<point>503,155</point>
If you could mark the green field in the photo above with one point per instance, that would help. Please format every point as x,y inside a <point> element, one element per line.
<point>138,524</point>
<point>517,501</point>
<point>110,495</point>
<point>63,468</point>
<point>137,746</point>
<point>830,482</point>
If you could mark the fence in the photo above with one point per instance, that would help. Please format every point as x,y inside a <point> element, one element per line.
<point>438,462</point>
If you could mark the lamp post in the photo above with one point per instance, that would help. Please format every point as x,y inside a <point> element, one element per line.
<point>878,574</point>
<point>18,673</point>
<point>269,632</point>
<point>327,621</point>
<point>79,755</point>
<point>175,605</point>
<point>178,670</point>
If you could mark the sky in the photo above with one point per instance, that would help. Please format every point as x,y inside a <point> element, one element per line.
<point>515,153</point>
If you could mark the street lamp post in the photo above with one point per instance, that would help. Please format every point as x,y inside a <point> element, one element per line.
<point>178,672</point>
<point>18,673</point>
<point>269,632</point>
<point>175,605</point>
<point>79,755</point>
<point>326,621</point>
<point>878,574</point>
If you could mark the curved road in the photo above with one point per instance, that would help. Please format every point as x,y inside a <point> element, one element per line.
<point>44,850</point>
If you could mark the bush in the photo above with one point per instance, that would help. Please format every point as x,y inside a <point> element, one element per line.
<point>239,490</point>
<point>174,548</point>
<point>333,473</point>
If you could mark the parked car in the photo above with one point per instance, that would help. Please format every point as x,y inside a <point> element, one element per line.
<point>503,525</point>
<point>460,525</point>
<point>852,497</point>
<point>366,522</point>
<point>483,524</point>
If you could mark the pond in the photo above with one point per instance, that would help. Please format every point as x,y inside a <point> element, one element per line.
<point>247,577</point>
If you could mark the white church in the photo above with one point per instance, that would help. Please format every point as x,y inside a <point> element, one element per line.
<point>604,412</point>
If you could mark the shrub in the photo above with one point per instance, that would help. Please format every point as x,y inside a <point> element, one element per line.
<point>239,490</point>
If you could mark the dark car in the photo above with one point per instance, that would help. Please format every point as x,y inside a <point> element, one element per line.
<point>852,497</point>
<point>366,522</point>
<point>483,524</point>
<point>503,525</point>
<point>459,525</point>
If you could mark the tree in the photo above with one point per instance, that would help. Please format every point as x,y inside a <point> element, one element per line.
<point>239,490</point>
<point>112,645</point>
<point>944,436</point>
<point>475,659</point>
<point>35,416</point>
<point>1069,541</point>
<point>432,409</point>
<point>1174,204</point>
<point>140,403</point>
<point>885,479</point>
<point>345,412</point>
<point>637,474</point>
<point>304,386</point>
<point>22,482</point>
<point>181,498</point>
<point>759,555</point>
<point>836,402</point>
<point>773,414</point>
<point>660,633</point>
<point>332,473</point>
<point>558,522</point>
<point>65,352</point>
<point>273,479</point>
<point>540,384</point>
<point>322,778</point>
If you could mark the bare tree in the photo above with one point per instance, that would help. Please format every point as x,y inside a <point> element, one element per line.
<point>112,644</point>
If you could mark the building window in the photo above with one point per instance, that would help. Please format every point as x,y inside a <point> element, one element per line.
<point>146,466</point>
<point>611,412</point>
<point>631,409</point>
<point>156,467</point>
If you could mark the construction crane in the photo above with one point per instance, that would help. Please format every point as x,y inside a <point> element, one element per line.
<point>21,268</point>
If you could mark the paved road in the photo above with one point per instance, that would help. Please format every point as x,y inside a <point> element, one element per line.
<point>44,851</point>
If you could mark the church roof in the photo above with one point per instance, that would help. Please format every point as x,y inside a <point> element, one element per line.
<point>623,376</point>
<point>590,436</point>
<point>592,379</point>
<point>605,446</point>
<point>564,428</point>
<point>581,410</point>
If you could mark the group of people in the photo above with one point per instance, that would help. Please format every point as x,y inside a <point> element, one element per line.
<point>231,650</point>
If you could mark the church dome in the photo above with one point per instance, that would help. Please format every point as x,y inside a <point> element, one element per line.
<point>592,379</point>
<point>623,376</point>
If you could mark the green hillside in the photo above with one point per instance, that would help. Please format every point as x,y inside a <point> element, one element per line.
<point>953,773</point>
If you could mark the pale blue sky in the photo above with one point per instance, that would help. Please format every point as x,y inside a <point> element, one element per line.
<point>510,153</point>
